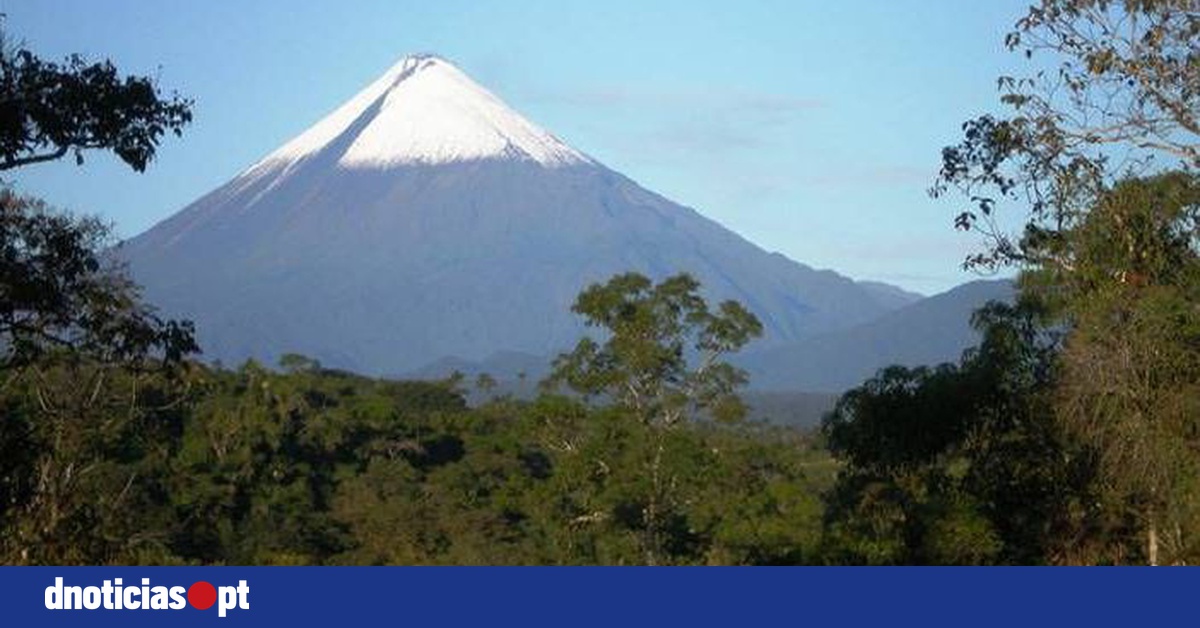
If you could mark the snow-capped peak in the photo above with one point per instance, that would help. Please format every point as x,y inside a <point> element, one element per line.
<point>424,110</point>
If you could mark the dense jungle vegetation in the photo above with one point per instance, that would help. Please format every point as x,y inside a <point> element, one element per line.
<point>1070,435</point>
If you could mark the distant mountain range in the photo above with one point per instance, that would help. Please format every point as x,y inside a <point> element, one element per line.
<point>424,222</point>
<point>892,297</point>
<point>926,332</point>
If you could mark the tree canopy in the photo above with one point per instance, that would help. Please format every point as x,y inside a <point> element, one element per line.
<point>663,352</point>
<point>1100,150</point>
<point>1113,94</point>
<point>1069,435</point>
<point>49,110</point>
<point>60,289</point>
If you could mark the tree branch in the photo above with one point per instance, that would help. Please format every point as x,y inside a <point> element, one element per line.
<point>17,162</point>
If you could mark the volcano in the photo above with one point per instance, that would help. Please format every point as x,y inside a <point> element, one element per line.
<point>425,219</point>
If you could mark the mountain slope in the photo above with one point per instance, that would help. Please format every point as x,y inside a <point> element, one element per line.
<point>931,331</point>
<point>425,219</point>
<point>890,296</point>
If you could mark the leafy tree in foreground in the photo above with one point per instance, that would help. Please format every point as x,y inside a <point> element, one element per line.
<point>60,290</point>
<point>663,353</point>
<point>59,287</point>
<point>660,363</point>
<point>1120,97</point>
<point>1131,366</point>
<point>48,110</point>
<point>88,419</point>
<point>1101,150</point>
<point>966,464</point>
<point>86,407</point>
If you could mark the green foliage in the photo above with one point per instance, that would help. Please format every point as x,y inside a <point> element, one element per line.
<point>1111,254</point>
<point>660,364</point>
<point>88,418</point>
<point>48,110</point>
<point>318,467</point>
<point>485,383</point>
<point>662,354</point>
<point>962,464</point>
<point>85,449</point>
<point>59,292</point>
<point>1122,91</point>
<point>1131,367</point>
<point>109,457</point>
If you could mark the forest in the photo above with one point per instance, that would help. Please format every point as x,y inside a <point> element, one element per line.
<point>1068,436</point>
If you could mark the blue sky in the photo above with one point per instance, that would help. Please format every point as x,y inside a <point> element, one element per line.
<point>812,128</point>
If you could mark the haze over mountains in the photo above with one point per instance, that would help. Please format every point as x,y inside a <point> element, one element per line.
<point>424,222</point>
<point>927,332</point>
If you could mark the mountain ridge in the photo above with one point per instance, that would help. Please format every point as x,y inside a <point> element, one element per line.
<point>438,245</point>
<point>930,331</point>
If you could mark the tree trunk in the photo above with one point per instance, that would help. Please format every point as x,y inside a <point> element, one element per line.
<point>1152,544</point>
<point>652,507</point>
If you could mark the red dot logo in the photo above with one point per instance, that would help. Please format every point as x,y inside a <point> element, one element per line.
<point>202,595</point>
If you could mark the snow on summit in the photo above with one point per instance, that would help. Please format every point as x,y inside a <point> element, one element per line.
<point>424,110</point>
<point>424,219</point>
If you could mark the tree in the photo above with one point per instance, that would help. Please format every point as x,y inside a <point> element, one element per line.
<point>485,383</point>
<point>293,363</point>
<point>966,463</point>
<point>87,424</point>
<point>59,287</point>
<point>84,455</point>
<point>1131,367</point>
<point>661,363</point>
<point>48,110</point>
<point>87,416</point>
<point>61,290</point>
<point>1102,152</point>
<point>663,354</point>
<point>1122,97</point>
